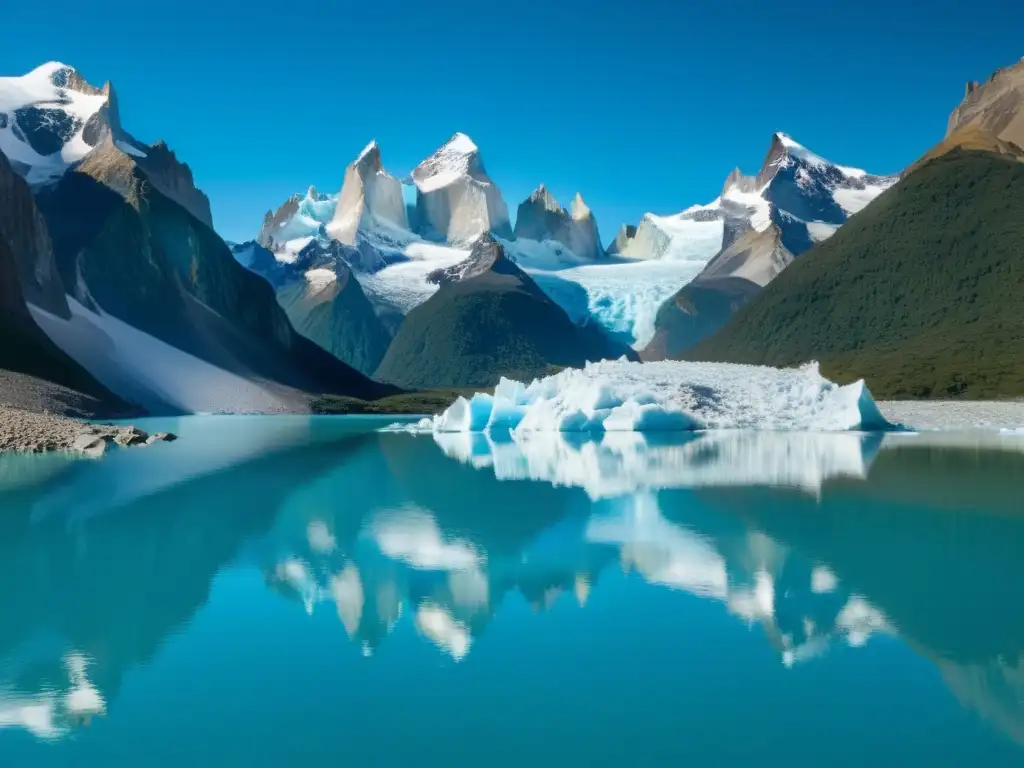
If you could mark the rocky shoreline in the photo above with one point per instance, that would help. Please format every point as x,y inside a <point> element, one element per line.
<point>31,432</point>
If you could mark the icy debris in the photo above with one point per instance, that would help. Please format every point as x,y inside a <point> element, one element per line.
<point>620,396</point>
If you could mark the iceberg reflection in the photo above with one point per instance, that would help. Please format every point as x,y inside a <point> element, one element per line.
<point>627,462</point>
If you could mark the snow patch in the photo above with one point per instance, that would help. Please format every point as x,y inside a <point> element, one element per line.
<point>319,279</point>
<point>819,230</point>
<point>37,89</point>
<point>147,371</point>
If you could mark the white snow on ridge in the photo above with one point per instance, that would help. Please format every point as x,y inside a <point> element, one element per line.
<point>678,238</point>
<point>319,279</point>
<point>37,89</point>
<point>403,285</point>
<point>620,396</point>
<point>855,200</point>
<point>447,165</point>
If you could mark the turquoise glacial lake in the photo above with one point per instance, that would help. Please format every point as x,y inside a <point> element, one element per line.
<point>279,591</point>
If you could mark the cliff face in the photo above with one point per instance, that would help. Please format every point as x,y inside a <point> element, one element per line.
<point>124,247</point>
<point>456,200</point>
<point>174,179</point>
<point>540,217</point>
<point>996,106</point>
<point>34,374</point>
<point>30,247</point>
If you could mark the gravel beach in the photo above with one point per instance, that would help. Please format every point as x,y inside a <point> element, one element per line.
<point>955,415</point>
<point>30,432</point>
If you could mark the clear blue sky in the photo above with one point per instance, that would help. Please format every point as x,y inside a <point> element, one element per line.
<point>640,105</point>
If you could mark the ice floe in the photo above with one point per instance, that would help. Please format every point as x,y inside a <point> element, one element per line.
<point>620,396</point>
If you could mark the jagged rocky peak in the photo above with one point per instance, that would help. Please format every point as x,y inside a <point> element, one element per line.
<point>370,199</point>
<point>486,256</point>
<point>579,210</point>
<point>542,196</point>
<point>995,106</point>
<point>53,118</point>
<point>456,200</point>
<point>459,156</point>
<point>174,178</point>
<point>274,220</point>
<point>738,181</point>
<point>622,239</point>
<point>540,217</point>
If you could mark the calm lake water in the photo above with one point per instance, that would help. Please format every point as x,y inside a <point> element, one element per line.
<point>291,591</point>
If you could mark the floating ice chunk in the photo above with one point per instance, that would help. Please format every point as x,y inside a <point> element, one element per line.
<point>620,396</point>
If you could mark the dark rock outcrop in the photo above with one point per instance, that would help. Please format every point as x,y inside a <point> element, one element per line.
<point>34,373</point>
<point>124,247</point>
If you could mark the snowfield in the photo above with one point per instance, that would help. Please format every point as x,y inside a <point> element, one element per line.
<point>620,396</point>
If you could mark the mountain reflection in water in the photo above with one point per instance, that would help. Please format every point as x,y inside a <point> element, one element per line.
<point>815,541</point>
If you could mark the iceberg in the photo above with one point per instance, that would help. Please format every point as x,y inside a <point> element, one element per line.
<point>622,396</point>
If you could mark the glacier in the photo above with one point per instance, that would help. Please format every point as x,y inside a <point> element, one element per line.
<point>622,396</point>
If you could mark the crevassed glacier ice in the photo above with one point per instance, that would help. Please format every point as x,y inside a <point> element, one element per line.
<point>620,396</point>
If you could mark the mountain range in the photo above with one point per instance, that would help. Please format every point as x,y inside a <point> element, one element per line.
<point>120,295</point>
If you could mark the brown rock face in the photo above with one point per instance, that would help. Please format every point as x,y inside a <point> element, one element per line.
<point>996,106</point>
<point>174,179</point>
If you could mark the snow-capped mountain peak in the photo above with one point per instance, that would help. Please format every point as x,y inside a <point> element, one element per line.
<point>50,118</point>
<point>370,152</point>
<point>456,200</point>
<point>543,196</point>
<point>457,157</point>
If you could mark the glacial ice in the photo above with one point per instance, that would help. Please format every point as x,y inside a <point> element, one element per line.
<point>620,396</point>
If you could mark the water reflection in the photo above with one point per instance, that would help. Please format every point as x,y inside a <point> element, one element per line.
<point>815,542</point>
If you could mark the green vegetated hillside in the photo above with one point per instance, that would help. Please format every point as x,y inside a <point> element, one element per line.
<point>921,294</point>
<point>490,322</point>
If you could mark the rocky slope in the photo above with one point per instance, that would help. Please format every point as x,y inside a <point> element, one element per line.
<point>324,301</point>
<point>127,250</point>
<point>157,297</point>
<point>796,200</point>
<point>488,319</point>
<point>996,106</point>
<point>456,201</point>
<point>52,118</point>
<point>34,374</point>
<point>541,218</point>
<point>918,294</point>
